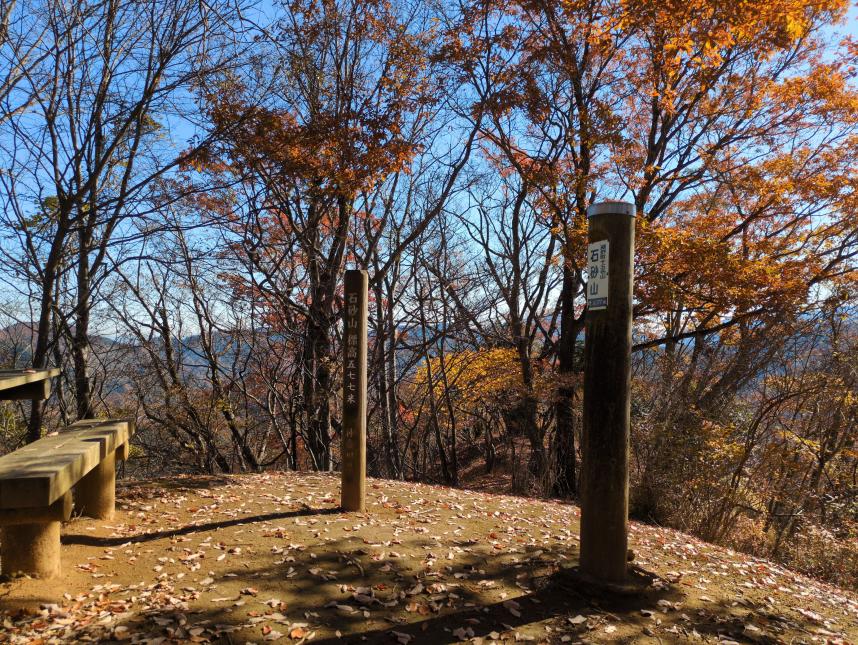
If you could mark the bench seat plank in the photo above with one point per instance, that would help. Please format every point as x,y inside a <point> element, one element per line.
<point>16,378</point>
<point>41,472</point>
<point>22,384</point>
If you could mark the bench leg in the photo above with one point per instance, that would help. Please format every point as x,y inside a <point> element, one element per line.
<point>33,549</point>
<point>95,494</point>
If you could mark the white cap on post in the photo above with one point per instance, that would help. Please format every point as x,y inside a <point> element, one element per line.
<point>611,207</point>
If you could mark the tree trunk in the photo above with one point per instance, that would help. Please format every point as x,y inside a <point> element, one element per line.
<point>43,331</point>
<point>317,386</point>
<point>384,386</point>
<point>565,473</point>
<point>80,335</point>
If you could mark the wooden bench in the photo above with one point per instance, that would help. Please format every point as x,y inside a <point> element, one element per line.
<point>36,484</point>
<point>18,385</point>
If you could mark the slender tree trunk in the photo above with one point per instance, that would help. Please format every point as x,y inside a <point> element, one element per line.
<point>489,447</point>
<point>293,438</point>
<point>565,484</point>
<point>317,384</point>
<point>390,394</point>
<point>80,335</point>
<point>323,392</point>
<point>391,468</point>
<point>439,441</point>
<point>43,331</point>
<point>565,475</point>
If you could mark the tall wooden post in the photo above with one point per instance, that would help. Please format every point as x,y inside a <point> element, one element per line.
<point>607,381</point>
<point>353,440</point>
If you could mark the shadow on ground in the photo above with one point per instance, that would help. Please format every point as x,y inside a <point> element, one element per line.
<point>556,607</point>
<point>104,542</point>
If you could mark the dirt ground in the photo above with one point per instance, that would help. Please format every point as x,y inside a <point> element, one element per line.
<point>257,558</point>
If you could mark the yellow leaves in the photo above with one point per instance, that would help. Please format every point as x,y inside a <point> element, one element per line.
<point>720,448</point>
<point>476,374</point>
<point>484,378</point>
<point>795,26</point>
<point>796,440</point>
<point>706,28</point>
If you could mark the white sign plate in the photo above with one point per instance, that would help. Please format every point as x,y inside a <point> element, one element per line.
<point>597,275</point>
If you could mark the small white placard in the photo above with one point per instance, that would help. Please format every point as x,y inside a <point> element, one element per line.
<point>597,275</point>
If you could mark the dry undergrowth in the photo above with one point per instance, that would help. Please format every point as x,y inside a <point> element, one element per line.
<point>270,558</point>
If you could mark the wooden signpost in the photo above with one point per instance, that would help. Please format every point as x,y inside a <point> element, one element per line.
<point>353,444</point>
<point>607,381</point>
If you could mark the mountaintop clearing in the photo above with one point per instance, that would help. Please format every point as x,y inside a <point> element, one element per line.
<point>269,557</point>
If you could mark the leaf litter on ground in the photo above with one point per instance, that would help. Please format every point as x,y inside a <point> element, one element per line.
<point>268,557</point>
